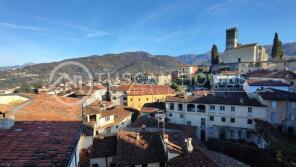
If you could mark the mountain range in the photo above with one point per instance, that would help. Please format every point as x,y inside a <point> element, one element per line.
<point>132,62</point>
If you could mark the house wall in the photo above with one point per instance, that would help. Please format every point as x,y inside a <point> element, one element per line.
<point>252,89</point>
<point>118,97</point>
<point>212,127</point>
<point>101,161</point>
<point>138,102</point>
<point>12,99</point>
<point>114,128</point>
<point>164,80</point>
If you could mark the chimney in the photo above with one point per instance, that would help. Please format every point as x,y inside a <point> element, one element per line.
<point>241,100</point>
<point>138,136</point>
<point>189,145</point>
<point>166,138</point>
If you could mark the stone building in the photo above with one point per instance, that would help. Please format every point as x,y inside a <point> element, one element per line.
<point>237,53</point>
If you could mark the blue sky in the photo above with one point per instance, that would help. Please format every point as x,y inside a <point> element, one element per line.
<point>50,30</point>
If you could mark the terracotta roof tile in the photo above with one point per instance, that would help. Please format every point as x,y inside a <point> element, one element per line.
<point>105,147</point>
<point>137,89</point>
<point>38,143</point>
<point>130,151</point>
<point>49,108</point>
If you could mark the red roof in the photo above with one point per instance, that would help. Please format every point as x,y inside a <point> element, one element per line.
<point>39,143</point>
<point>48,108</point>
<point>150,90</point>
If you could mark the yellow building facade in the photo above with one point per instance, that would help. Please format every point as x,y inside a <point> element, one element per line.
<point>138,101</point>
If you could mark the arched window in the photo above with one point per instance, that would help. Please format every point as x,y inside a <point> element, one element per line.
<point>201,108</point>
<point>191,108</point>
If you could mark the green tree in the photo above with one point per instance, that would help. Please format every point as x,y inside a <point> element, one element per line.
<point>214,55</point>
<point>176,87</point>
<point>277,48</point>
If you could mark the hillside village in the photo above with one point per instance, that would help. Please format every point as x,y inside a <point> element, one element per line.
<point>238,111</point>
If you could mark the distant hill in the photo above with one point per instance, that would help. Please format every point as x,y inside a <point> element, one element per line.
<point>289,49</point>
<point>131,62</point>
<point>15,67</point>
<point>195,58</point>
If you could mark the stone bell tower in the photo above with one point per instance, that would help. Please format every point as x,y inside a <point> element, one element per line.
<point>231,38</point>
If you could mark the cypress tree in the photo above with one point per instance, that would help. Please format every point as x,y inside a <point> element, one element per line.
<point>277,49</point>
<point>214,55</point>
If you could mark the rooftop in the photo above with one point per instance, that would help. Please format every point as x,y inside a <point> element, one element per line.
<point>228,98</point>
<point>284,74</point>
<point>266,83</point>
<point>104,147</point>
<point>38,143</point>
<point>147,148</point>
<point>275,94</point>
<point>137,89</point>
<point>48,108</point>
<point>153,107</point>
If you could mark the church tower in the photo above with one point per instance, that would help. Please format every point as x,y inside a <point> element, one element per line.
<point>231,38</point>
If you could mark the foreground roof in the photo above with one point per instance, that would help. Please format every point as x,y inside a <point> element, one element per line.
<point>104,147</point>
<point>147,149</point>
<point>38,143</point>
<point>227,98</point>
<point>275,94</point>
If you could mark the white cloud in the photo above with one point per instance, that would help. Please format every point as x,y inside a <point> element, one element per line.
<point>21,27</point>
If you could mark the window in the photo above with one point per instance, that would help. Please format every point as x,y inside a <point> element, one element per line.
<point>222,108</point>
<point>249,134</point>
<point>250,121</point>
<point>180,107</point>
<point>273,104</point>
<point>203,122</point>
<point>191,108</point>
<point>181,115</point>
<point>114,98</point>
<point>249,109</point>
<point>139,99</point>
<point>212,107</point>
<point>170,114</point>
<point>232,108</point>
<point>107,118</point>
<point>239,60</point>
<point>172,106</point>
<point>231,133</point>
<point>144,165</point>
<point>131,99</point>
<point>232,120</point>
<point>108,130</point>
<point>223,119</point>
<point>147,99</point>
<point>188,122</point>
<point>95,165</point>
<point>116,126</point>
<point>211,118</point>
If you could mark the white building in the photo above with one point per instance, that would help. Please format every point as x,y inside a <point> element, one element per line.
<point>233,112</point>
<point>228,79</point>
<point>252,86</point>
<point>106,122</point>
